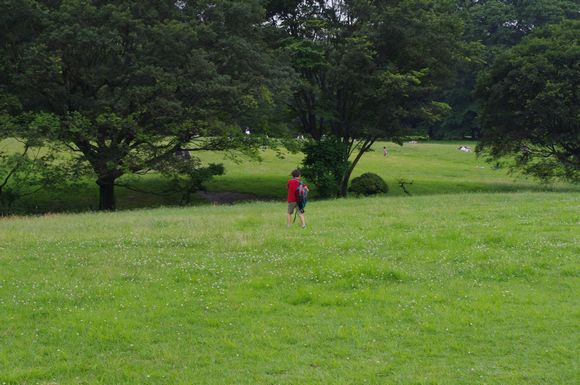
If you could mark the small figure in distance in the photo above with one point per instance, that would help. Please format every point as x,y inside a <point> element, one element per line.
<point>293,203</point>
<point>385,151</point>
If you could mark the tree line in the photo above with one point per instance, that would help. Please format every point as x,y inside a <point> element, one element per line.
<point>120,87</point>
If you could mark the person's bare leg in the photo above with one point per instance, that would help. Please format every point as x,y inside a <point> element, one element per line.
<point>302,220</point>
<point>289,220</point>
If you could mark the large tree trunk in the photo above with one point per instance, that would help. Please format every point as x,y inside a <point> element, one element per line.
<point>106,193</point>
<point>343,191</point>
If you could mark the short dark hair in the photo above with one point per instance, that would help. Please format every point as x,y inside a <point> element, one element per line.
<point>296,173</point>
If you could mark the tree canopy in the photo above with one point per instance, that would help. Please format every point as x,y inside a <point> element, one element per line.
<point>125,84</point>
<point>531,103</point>
<point>367,68</point>
<point>491,26</point>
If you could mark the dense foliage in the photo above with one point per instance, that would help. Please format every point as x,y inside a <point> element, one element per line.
<point>324,164</point>
<point>491,26</point>
<point>532,103</point>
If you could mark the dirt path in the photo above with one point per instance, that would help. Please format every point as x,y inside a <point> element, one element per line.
<point>226,197</point>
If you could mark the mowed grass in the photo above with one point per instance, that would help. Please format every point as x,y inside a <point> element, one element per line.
<point>433,167</point>
<point>447,289</point>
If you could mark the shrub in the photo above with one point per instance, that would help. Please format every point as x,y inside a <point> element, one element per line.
<point>368,184</point>
<point>324,165</point>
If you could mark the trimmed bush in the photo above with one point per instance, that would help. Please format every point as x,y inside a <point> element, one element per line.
<point>368,184</point>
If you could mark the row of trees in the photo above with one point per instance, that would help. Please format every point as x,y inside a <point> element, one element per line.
<point>496,25</point>
<point>123,85</point>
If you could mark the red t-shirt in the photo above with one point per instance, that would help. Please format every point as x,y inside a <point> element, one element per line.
<point>292,185</point>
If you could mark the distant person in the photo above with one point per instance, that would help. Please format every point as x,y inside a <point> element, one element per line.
<point>385,152</point>
<point>293,203</point>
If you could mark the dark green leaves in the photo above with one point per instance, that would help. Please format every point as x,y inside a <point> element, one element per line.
<point>532,106</point>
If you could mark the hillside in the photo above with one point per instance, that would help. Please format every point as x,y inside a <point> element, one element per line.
<point>433,167</point>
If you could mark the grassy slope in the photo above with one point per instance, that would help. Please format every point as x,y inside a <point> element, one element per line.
<point>435,168</point>
<point>454,289</point>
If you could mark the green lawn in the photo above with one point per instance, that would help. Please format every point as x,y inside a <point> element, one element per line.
<point>444,289</point>
<point>434,168</point>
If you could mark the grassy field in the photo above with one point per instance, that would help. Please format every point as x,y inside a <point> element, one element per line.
<point>434,168</point>
<point>446,289</point>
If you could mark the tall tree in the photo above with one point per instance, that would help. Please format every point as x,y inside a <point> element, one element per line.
<point>531,103</point>
<point>367,68</point>
<point>129,82</point>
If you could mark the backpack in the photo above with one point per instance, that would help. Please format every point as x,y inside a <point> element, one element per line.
<point>301,196</point>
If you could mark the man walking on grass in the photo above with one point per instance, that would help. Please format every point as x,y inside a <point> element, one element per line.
<point>293,199</point>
